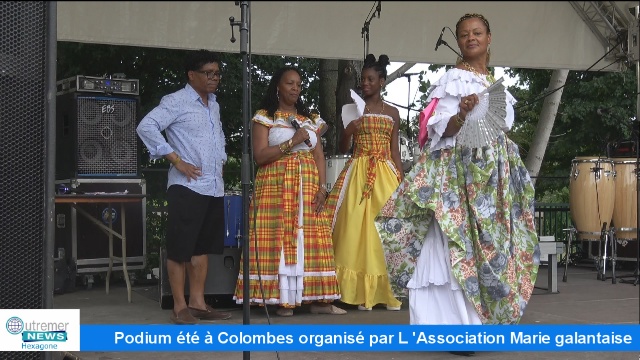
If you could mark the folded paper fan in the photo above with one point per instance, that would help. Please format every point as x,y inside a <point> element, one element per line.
<point>353,111</point>
<point>486,121</point>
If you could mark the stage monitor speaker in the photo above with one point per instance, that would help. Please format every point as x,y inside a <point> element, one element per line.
<point>622,149</point>
<point>86,243</point>
<point>222,275</point>
<point>96,136</point>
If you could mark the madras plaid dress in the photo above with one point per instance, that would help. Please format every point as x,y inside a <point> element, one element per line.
<point>364,185</point>
<point>284,230</point>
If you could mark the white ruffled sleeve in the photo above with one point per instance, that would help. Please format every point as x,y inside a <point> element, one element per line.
<point>446,108</point>
<point>450,88</point>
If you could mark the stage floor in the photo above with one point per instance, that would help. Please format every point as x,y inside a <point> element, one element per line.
<point>580,300</point>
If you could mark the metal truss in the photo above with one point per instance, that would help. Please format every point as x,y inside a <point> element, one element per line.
<point>609,23</point>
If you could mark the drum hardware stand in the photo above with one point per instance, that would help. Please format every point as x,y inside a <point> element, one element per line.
<point>572,232</point>
<point>635,273</point>
<point>601,260</point>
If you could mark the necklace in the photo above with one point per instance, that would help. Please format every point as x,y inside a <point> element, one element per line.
<point>490,77</point>
<point>371,112</point>
<point>294,111</point>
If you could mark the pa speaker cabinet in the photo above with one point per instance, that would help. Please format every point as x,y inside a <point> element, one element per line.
<point>96,136</point>
<point>222,275</point>
<point>25,48</point>
<point>87,243</point>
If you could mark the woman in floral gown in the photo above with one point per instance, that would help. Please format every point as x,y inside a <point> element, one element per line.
<point>458,233</point>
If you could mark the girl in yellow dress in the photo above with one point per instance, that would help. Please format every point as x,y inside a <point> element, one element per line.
<point>365,184</point>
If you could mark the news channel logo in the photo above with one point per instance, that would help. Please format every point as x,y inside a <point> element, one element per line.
<point>40,330</point>
<point>38,335</point>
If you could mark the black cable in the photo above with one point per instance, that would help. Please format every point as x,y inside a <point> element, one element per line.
<point>452,33</point>
<point>371,11</point>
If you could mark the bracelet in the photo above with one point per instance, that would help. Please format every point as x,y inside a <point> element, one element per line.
<point>285,147</point>
<point>177,160</point>
<point>459,120</point>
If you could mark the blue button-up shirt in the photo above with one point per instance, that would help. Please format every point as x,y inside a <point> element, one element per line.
<point>194,132</point>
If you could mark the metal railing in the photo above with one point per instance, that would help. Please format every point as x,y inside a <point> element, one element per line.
<point>551,218</point>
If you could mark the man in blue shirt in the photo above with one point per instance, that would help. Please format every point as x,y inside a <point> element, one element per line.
<point>195,146</point>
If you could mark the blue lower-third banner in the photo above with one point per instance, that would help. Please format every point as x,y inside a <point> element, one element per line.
<point>360,338</point>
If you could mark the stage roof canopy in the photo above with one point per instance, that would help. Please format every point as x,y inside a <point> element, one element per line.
<point>527,34</point>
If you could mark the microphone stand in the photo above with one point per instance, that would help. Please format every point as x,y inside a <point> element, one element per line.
<point>245,175</point>
<point>442,42</point>
<point>408,76</point>
<point>636,273</point>
<point>365,29</point>
<point>636,143</point>
<point>365,35</point>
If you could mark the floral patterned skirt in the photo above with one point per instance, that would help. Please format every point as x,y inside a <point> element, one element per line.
<point>483,201</point>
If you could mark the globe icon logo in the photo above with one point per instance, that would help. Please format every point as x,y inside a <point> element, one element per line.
<point>15,325</point>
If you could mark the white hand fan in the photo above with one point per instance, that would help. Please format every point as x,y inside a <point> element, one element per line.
<point>353,111</point>
<point>485,122</point>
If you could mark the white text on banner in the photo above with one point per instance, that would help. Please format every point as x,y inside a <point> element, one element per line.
<point>360,338</point>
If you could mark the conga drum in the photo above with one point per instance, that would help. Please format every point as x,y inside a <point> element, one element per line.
<point>625,209</point>
<point>591,195</point>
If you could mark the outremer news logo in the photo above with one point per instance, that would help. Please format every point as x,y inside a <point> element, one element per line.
<point>40,330</point>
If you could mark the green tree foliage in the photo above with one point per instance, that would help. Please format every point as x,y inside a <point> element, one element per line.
<point>597,108</point>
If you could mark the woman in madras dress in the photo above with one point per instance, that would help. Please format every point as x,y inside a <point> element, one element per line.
<point>289,238</point>
<point>458,233</point>
<point>362,188</point>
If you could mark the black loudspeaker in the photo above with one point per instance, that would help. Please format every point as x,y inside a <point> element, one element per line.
<point>96,136</point>
<point>26,45</point>
<point>87,244</point>
<point>222,275</point>
<point>623,149</point>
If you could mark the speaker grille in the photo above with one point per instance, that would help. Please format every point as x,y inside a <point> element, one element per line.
<point>23,29</point>
<point>106,136</point>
